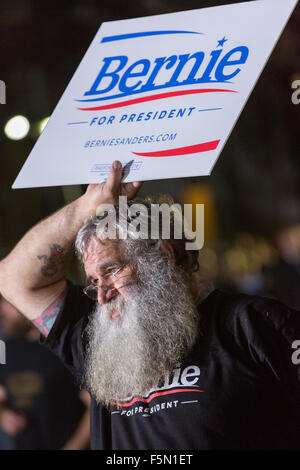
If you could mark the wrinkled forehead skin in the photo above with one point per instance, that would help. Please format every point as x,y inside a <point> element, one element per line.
<point>101,253</point>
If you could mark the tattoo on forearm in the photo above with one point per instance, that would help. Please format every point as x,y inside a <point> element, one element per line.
<point>45,321</point>
<point>52,262</point>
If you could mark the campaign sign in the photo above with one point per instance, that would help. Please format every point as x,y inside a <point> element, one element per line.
<point>160,93</point>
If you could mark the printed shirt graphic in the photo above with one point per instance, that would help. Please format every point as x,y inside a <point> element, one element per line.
<point>182,381</point>
<point>237,389</point>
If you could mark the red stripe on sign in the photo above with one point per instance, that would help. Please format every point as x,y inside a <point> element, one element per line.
<point>204,147</point>
<point>156,97</point>
<point>158,394</point>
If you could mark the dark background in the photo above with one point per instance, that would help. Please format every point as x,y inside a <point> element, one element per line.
<point>254,189</point>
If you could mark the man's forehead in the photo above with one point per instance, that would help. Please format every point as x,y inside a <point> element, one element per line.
<point>98,250</point>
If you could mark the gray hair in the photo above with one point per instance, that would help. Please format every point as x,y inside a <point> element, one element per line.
<point>139,243</point>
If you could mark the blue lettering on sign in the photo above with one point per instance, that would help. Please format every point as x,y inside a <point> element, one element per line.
<point>141,76</point>
<point>244,52</point>
<point>113,74</point>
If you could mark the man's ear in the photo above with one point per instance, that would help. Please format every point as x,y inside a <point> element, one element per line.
<point>167,249</point>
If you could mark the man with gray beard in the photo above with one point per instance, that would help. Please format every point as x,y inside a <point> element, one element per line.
<point>169,363</point>
<point>157,325</point>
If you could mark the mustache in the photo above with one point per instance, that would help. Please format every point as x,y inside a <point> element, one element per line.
<point>116,303</point>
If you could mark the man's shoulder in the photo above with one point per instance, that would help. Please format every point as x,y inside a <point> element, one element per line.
<point>241,313</point>
<point>76,300</point>
<point>66,337</point>
<point>73,314</point>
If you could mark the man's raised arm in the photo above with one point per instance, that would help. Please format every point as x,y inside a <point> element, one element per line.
<point>32,276</point>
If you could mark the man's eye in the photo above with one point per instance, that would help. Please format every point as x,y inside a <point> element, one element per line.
<point>111,271</point>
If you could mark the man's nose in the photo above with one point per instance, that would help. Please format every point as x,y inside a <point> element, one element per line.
<point>106,293</point>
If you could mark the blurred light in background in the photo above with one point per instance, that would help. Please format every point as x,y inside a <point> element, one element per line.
<point>42,124</point>
<point>199,193</point>
<point>17,128</point>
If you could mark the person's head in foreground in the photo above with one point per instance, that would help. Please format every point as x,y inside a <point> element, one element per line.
<point>145,319</point>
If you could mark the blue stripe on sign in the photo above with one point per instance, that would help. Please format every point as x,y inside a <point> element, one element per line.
<point>119,37</point>
<point>210,109</point>
<point>81,122</point>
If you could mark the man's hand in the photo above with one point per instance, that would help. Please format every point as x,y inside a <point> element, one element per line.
<point>108,192</point>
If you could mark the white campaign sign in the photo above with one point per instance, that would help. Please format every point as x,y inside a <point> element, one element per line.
<point>161,92</point>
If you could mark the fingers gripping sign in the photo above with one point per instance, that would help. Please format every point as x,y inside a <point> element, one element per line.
<point>109,191</point>
<point>115,185</point>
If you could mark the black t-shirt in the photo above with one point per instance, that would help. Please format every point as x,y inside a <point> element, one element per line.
<point>237,389</point>
<point>39,386</point>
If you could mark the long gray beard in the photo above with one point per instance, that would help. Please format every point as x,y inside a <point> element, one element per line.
<point>129,355</point>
